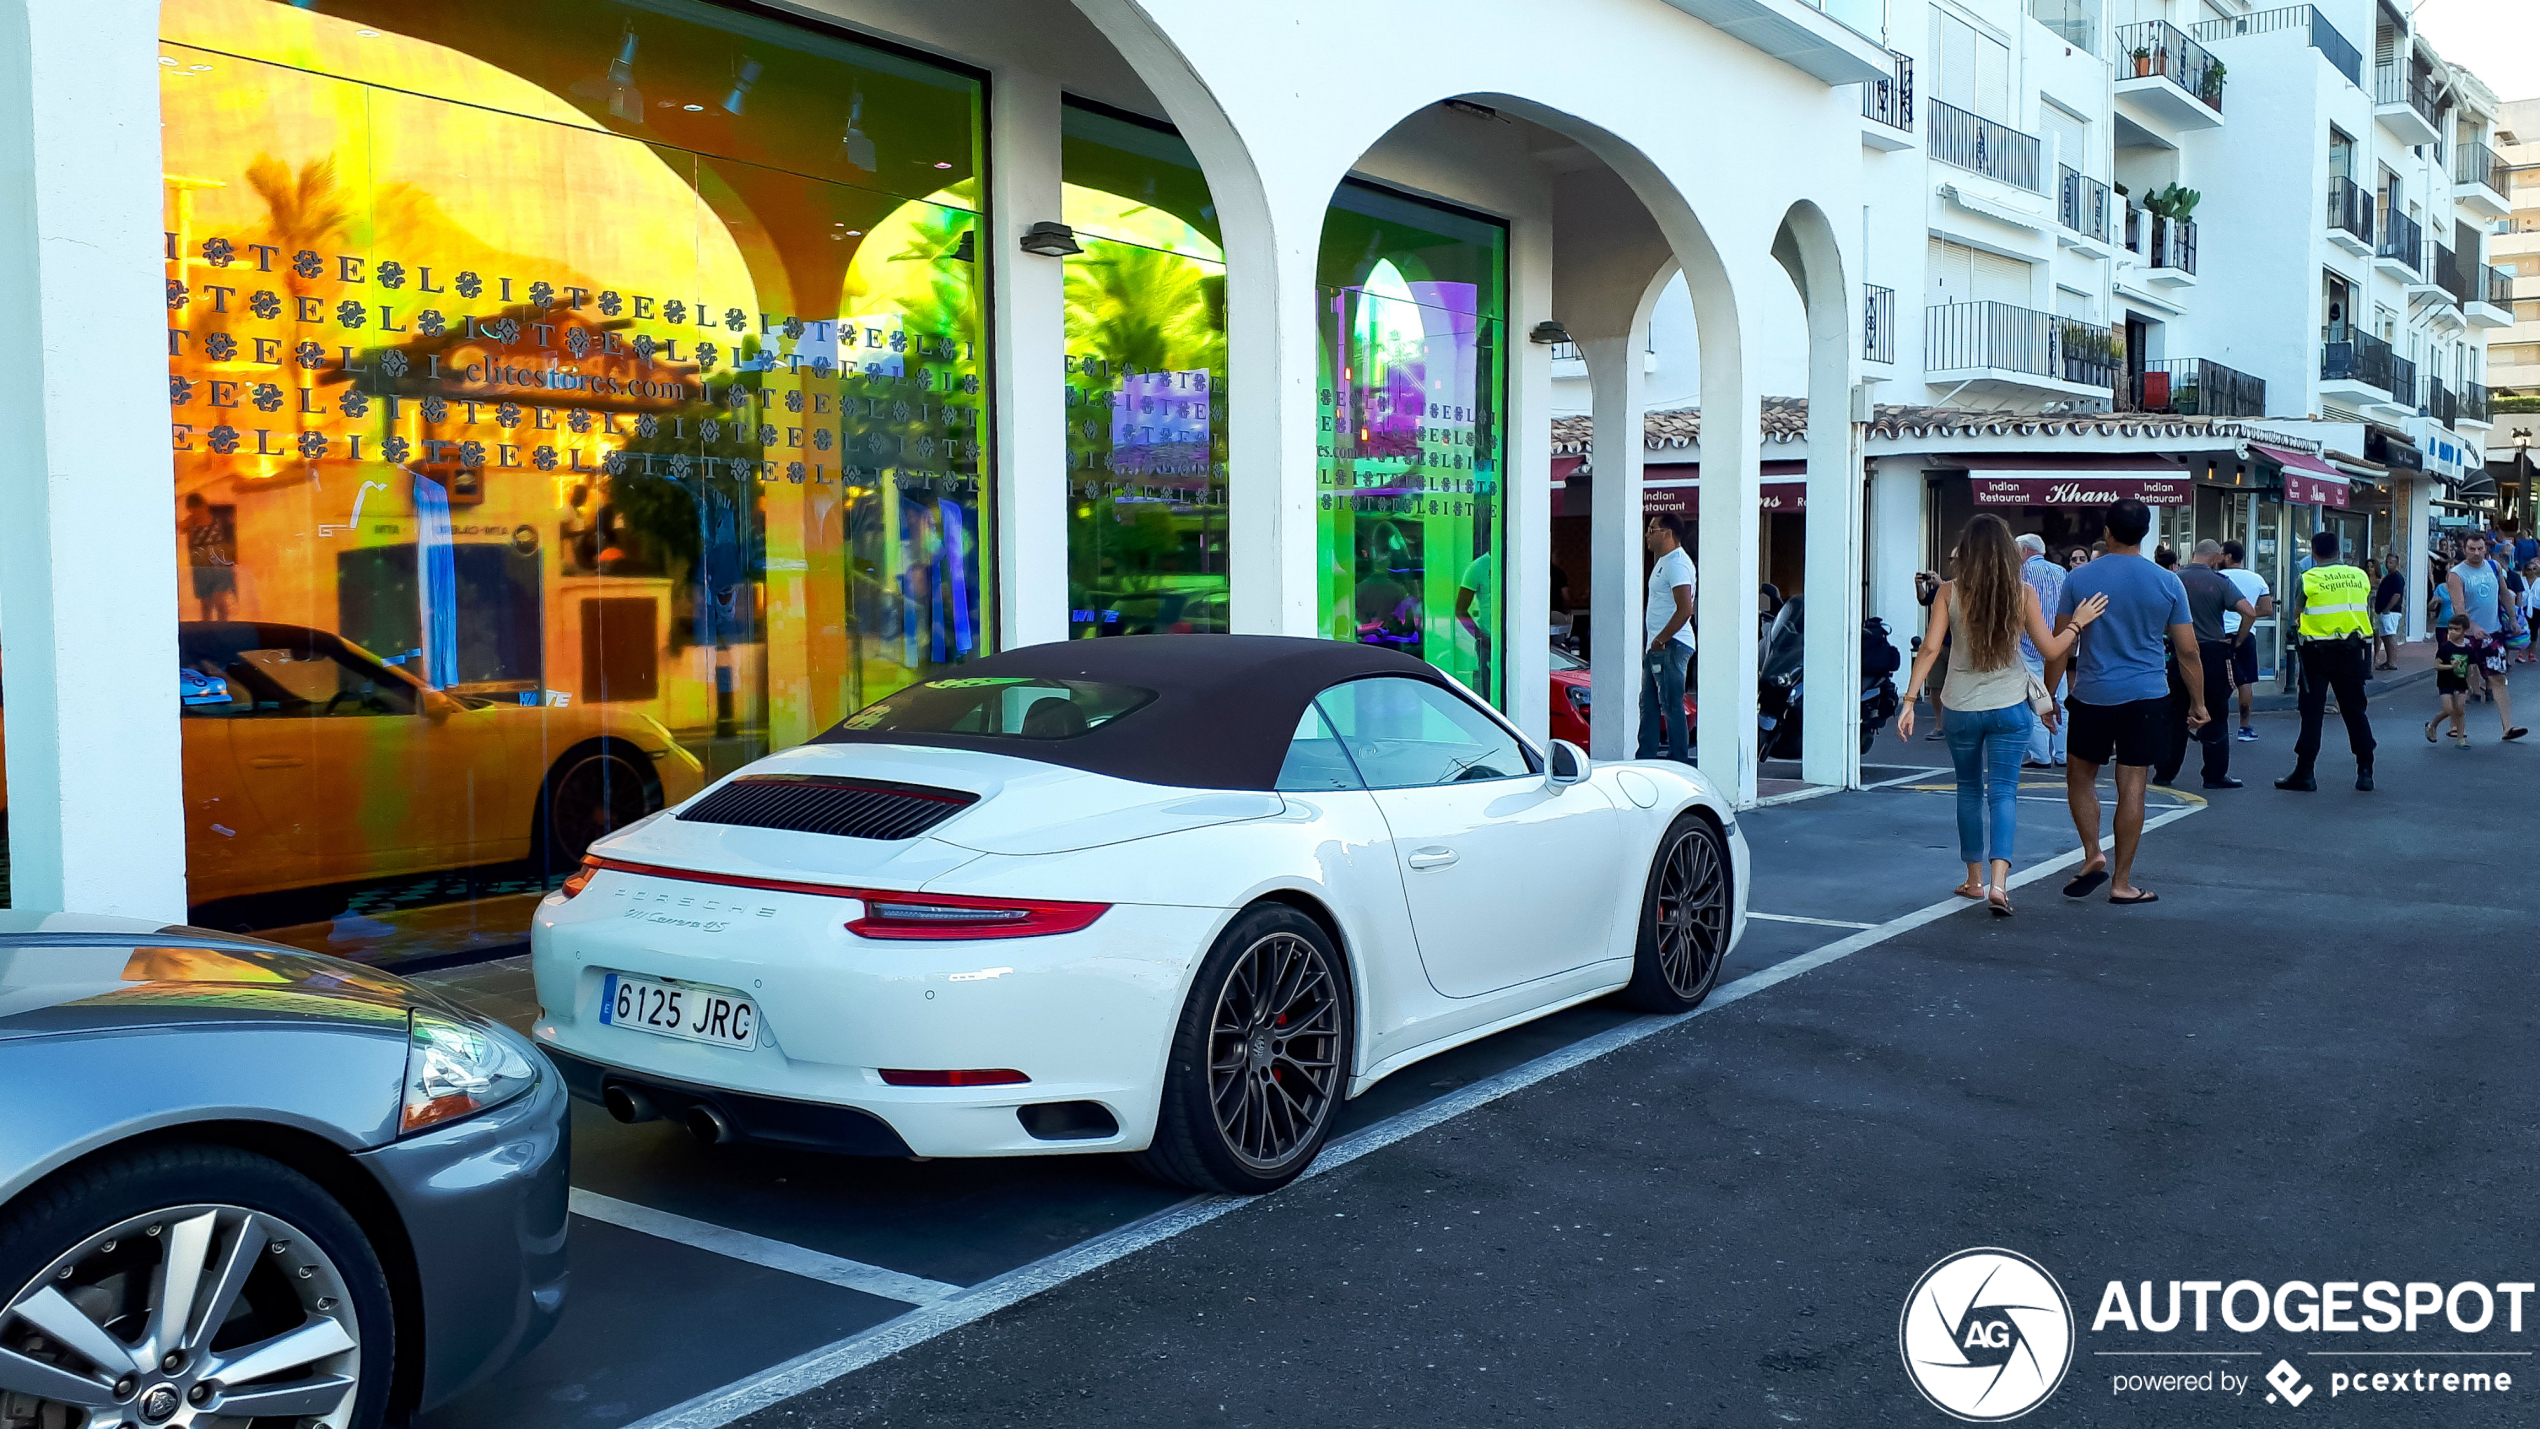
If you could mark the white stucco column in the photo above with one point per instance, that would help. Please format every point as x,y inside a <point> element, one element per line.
<point>2419,528</point>
<point>1830,725</point>
<point>88,600</point>
<point>1525,573</point>
<point>1029,332</point>
<point>1731,567</point>
<point>1618,589</point>
<point>1896,547</point>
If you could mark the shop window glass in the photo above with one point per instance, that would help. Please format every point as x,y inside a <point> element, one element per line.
<point>571,402</point>
<point>1146,374</point>
<point>1411,521</point>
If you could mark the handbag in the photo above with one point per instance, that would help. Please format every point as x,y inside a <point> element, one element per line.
<point>2041,700</point>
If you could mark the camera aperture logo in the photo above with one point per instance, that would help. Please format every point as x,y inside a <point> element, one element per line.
<point>1986,1335</point>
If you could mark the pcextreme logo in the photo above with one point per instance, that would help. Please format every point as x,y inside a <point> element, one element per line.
<point>1986,1335</point>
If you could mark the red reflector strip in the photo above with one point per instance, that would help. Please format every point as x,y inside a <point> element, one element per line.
<point>989,1077</point>
<point>903,916</point>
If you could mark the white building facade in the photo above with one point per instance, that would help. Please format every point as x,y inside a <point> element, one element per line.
<point>572,400</point>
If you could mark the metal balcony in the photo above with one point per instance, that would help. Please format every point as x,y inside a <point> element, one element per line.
<point>2007,348</point>
<point>1985,147</point>
<point>1890,104</point>
<point>2481,182</point>
<point>2304,20</point>
<point>2401,251</point>
<point>2354,361</point>
<point>2197,386</point>
<point>2489,299</point>
<point>1878,323</point>
<point>2405,103</point>
<point>2350,216</point>
<point>2081,204</point>
<point>2169,76</point>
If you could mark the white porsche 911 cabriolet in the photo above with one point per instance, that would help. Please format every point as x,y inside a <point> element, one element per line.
<point>1177,895</point>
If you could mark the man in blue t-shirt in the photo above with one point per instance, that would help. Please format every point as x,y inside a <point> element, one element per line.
<point>2120,691</point>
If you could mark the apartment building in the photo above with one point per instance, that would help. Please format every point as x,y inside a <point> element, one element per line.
<point>2513,355</point>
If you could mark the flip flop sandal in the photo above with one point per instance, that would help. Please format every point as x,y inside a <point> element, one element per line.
<point>2138,898</point>
<point>1998,898</point>
<point>2516,732</point>
<point>2081,887</point>
<point>2429,730</point>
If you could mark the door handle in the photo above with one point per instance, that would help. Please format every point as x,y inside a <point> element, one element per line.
<point>276,761</point>
<point>1432,858</point>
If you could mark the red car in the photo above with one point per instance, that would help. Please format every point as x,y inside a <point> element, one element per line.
<point>1570,699</point>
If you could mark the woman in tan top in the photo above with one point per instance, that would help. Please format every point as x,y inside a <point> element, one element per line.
<point>1978,617</point>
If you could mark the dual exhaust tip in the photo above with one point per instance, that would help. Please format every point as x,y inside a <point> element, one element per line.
<point>631,1105</point>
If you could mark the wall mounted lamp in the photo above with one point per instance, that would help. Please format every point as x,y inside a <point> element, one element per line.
<point>1051,240</point>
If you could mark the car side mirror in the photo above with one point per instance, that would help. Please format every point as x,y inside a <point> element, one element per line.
<point>1567,766</point>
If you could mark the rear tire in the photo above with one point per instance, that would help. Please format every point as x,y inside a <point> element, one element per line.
<point>90,1252</point>
<point>1260,1059</point>
<point>592,792</point>
<point>1684,919</point>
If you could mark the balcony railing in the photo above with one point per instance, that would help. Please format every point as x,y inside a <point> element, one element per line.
<point>2082,203</point>
<point>2497,287</point>
<point>1891,101</point>
<point>1982,146</point>
<point>2392,83</point>
<point>2323,36</point>
<point>2349,354</point>
<point>2475,163</point>
<point>2440,403</point>
<point>2011,338</point>
<point>2402,241</point>
<point>2196,386</point>
<point>2403,381</point>
<point>2447,273</point>
<point>2473,403</point>
<point>2159,48</point>
<point>1866,17</point>
<point>2075,22</point>
<point>2350,207</point>
<point>2173,244</point>
<point>1878,323</point>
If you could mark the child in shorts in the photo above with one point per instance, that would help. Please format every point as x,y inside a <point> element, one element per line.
<point>2454,653</point>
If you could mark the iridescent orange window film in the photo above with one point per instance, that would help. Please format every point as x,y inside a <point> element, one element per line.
<point>570,402</point>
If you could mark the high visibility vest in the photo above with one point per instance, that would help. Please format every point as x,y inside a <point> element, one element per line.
<point>2336,602</point>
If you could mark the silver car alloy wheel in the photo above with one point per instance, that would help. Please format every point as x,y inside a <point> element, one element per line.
<point>1274,1051</point>
<point>200,1315</point>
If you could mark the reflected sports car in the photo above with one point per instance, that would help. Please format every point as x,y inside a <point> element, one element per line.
<point>1177,895</point>
<point>308,761</point>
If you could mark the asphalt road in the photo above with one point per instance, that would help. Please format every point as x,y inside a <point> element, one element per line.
<point>2312,1060</point>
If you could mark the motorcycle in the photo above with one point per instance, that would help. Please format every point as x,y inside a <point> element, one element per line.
<point>1781,690</point>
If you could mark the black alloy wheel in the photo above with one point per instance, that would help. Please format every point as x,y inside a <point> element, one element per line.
<point>592,793</point>
<point>1684,920</point>
<point>1260,1062</point>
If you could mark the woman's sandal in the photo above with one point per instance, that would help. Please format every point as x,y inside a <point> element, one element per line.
<point>1998,898</point>
<point>2429,728</point>
<point>1969,889</point>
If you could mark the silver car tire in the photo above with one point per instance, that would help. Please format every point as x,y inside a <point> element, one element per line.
<point>186,1284</point>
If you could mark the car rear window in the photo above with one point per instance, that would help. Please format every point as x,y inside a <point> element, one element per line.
<point>1017,706</point>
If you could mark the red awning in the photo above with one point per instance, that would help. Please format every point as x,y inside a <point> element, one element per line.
<point>1675,487</point>
<point>2308,481</point>
<point>1563,466</point>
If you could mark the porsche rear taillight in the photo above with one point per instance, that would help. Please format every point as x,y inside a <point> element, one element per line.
<point>581,877</point>
<point>921,917</point>
<point>905,917</point>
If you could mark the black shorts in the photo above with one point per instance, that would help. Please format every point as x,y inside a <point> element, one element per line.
<point>2244,662</point>
<point>2136,732</point>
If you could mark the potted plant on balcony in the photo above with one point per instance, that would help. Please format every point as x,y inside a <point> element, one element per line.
<point>2142,61</point>
<point>2210,90</point>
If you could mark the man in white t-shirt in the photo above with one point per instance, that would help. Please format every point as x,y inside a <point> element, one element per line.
<point>1669,617</point>
<point>2244,653</point>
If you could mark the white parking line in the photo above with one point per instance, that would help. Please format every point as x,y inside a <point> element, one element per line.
<point>1811,922</point>
<point>759,1250</point>
<point>814,1368</point>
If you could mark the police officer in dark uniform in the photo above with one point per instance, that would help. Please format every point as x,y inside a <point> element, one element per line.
<point>2333,614</point>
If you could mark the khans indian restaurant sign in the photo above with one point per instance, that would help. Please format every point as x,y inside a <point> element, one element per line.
<point>2079,489</point>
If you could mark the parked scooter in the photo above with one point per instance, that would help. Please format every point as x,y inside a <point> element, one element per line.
<point>1780,689</point>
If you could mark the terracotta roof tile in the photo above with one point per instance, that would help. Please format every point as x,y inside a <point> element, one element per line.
<point>1785,419</point>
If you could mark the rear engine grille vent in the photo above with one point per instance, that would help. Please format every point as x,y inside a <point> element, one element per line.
<point>828,804</point>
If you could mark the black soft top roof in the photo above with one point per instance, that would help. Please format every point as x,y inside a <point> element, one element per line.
<point>1225,707</point>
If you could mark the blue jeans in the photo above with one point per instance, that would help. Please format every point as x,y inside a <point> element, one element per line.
<point>2046,746</point>
<point>1987,745</point>
<point>1662,700</point>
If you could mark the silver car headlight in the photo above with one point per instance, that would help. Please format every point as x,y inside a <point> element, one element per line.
<point>455,1070</point>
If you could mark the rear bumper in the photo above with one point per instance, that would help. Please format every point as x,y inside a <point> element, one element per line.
<point>484,1206</point>
<point>1086,1016</point>
<point>773,1121</point>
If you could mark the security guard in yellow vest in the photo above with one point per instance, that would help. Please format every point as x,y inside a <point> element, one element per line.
<point>2332,612</point>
